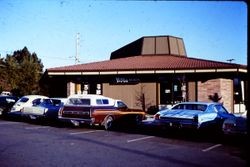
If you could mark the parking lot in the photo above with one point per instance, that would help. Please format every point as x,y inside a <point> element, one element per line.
<point>31,144</point>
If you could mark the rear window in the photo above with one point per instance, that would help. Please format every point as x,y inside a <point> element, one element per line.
<point>200,107</point>
<point>24,99</point>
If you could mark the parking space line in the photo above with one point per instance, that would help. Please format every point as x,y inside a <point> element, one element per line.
<point>139,139</point>
<point>8,123</point>
<point>85,132</point>
<point>36,127</point>
<point>212,147</point>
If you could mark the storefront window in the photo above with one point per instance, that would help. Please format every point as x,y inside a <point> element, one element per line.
<point>237,91</point>
<point>172,91</point>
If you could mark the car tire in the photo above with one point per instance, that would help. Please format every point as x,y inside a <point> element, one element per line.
<point>108,123</point>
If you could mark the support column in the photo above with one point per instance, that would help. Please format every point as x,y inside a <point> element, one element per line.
<point>70,88</point>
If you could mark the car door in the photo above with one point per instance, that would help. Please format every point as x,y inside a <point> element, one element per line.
<point>34,109</point>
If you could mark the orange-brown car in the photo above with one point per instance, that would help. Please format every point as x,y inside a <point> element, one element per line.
<point>107,117</point>
<point>98,110</point>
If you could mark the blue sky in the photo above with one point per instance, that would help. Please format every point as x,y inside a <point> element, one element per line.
<point>210,30</point>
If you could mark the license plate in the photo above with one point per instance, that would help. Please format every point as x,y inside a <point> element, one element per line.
<point>174,125</point>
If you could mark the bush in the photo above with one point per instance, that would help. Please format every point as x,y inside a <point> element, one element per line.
<point>152,110</point>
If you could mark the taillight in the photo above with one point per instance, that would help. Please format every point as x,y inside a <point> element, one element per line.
<point>45,110</point>
<point>157,116</point>
<point>229,125</point>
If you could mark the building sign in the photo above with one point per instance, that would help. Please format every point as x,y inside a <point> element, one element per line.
<point>125,81</point>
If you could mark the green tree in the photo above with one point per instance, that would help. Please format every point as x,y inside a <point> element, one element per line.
<point>2,75</point>
<point>23,71</point>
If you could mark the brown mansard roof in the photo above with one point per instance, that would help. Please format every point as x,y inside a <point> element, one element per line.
<point>148,62</point>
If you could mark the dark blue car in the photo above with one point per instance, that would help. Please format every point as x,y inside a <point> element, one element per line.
<point>6,102</point>
<point>43,109</point>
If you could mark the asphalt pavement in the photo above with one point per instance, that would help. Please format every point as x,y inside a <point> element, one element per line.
<point>26,144</point>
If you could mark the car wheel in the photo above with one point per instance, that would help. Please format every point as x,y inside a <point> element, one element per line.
<point>108,122</point>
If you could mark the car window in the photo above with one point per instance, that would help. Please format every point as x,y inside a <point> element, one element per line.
<point>179,106</point>
<point>24,99</point>
<point>190,107</point>
<point>102,101</point>
<point>47,102</point>
<point>78,101</point>
<point>56,102</point>
<point>120,104</point>
<point>200,107</point>
<point>36,101</point>
<point>220,109</point>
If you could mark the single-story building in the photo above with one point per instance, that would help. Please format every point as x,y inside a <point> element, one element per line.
<point>153,71</point>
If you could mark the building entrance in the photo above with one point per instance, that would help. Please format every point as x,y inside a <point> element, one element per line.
<point>171,92</point>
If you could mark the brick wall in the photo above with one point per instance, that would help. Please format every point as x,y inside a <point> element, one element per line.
<point>224,88</point>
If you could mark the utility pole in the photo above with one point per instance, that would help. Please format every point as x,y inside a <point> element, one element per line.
<point>77,48</point>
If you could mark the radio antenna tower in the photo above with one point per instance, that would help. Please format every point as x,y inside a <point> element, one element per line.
<point>77,48</point>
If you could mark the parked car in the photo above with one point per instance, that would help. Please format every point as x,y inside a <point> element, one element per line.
<point>96,110</point>
<point>25,101</point>
<point>6,102</point>
<point>194,115</point>
<point>6,93</point>
<point>43,109</point>
<point>235,125</point>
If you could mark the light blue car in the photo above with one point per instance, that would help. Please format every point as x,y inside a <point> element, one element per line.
<point>195,115</point>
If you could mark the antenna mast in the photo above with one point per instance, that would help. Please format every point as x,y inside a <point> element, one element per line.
<point>77,48</point>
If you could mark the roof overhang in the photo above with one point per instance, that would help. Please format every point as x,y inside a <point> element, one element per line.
<point>118,72</point>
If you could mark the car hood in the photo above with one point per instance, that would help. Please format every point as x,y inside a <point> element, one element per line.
<point>180,113</point>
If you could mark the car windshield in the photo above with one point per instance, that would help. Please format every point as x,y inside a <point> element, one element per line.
<point>79,101</point>
<point>120,104</point>
<point>200,107</point>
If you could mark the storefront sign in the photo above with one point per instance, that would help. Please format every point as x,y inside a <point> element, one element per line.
<point>123,80</point>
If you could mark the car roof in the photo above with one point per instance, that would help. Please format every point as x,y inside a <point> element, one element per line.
<point>195,102</point>
<point>88,96</point>
<point>35,96</point>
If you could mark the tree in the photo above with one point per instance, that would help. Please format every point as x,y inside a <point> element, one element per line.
<point>141,100</point>
<point>22,72</point>
<point>215,97</point>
